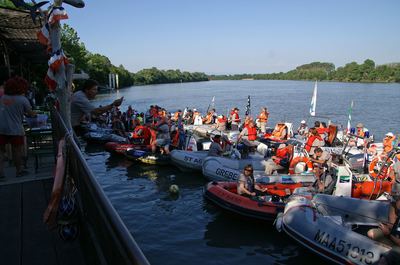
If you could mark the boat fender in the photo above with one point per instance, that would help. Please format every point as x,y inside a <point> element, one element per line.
<point>297,160</point>
<point>278,222</point>
<point>378,163</point>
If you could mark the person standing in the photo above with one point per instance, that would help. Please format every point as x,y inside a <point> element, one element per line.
<point>235,120</point>
<point>263,119</point>
<point>81,107</point>
<point>13,106</point>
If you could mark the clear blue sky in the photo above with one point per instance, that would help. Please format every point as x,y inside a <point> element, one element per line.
<point>239,36</point>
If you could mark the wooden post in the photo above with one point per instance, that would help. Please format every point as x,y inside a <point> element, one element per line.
<point>6,58</point>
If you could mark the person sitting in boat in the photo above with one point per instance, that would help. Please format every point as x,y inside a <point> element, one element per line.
<point>360,133</point>
<point>322,161</point>
<point>249,135</point>
<point>141,135</point>
<point>81,105</point>
<point>215,147</point>
<point>302,131</point>
<point>314,140</point>
<point>385,232</point>
<point>163,137</point>
<point>188,117</point>
<point>235,120</point>
<point>263,119</point>
<point>221,123</point>
<point>388,143</point>
<point>279,133</point>
<point>279,161</point>
<point>208,119</point>
<point>176,116</point>
<point>118,126</point>
<point>246,185</point>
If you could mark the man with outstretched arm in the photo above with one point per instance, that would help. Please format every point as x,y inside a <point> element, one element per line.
<point>82,108</point>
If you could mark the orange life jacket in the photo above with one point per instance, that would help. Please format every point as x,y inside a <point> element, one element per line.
<point>221,120</point>
<point>176,116</point>
<point>387,144</point>
<point>208,118</point>
<point>281,153</point>
<point>263,117</point>
<point>311,140</point>
<point>278,133</point>
<point>252,133</point>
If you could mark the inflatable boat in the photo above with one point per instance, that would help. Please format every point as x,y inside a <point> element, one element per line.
<point>188,160</point>
<point>266,207</point>
<point>331,227</point>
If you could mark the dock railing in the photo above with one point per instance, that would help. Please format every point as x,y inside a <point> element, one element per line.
<point>103,236</point>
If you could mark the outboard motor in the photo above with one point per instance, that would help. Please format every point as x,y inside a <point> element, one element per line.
<point>356,162</point>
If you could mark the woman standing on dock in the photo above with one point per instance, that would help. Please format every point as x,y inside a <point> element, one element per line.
<point>13,106</point>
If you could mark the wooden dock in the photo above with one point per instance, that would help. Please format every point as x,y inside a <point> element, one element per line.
<point>24,238</point>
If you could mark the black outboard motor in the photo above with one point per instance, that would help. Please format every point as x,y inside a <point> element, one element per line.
<point>356,162</point>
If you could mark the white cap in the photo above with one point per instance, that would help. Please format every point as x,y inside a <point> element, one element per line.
<point>303,121</point>
<point>194,109</point>
<point>389,134</point>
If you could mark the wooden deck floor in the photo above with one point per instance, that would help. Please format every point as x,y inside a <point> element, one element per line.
<point>24,239</point>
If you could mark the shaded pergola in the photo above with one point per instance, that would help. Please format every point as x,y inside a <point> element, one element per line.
<point>19,46</point>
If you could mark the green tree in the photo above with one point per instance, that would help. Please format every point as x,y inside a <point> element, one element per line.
<point>73,47</point>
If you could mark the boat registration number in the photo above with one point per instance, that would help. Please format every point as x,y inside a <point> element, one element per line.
<point>344,248</point>
<point>227,174</point>
<point>193,160</point>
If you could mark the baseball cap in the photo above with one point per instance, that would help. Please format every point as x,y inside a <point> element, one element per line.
<point>389,134</point>
<point>303,121</point>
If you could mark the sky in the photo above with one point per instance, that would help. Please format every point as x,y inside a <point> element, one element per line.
<point>238,36</point>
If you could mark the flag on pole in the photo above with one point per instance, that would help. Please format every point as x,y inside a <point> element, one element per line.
<point>349,117</point>
<point>248,110</point>
<point>313,105</point>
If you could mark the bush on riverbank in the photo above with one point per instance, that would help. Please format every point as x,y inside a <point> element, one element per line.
<point>351,72</point>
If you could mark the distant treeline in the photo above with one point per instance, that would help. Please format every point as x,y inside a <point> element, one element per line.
<point>99,66</point>
<point>351,72</point>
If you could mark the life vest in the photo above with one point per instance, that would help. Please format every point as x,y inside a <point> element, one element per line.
<point>221,120</point>
<point>361,133</point>
<point>142,132</point>
<point>208,118</point>
<point>310,141</point>
<point>235,117</point>
<point>384,169</point>
<point>279,132</point>
<point>263,117</point>
<point>251,133</point>
<point>297,160</point>
<point>388,144</point>
<point>281,154</point>
<point>176,116</point>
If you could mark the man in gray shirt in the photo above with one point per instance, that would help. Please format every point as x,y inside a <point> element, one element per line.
<point>82,108</point>
<point>215,147</point>
<point>13,106</point>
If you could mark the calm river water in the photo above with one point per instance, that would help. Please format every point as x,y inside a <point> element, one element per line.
<point>187,229</point>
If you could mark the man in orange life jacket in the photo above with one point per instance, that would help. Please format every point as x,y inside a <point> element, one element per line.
<point>280,131</point>
<point>249,135</point>
<point>279,161</point>
<point>263,119</point>
<point>388,142</point>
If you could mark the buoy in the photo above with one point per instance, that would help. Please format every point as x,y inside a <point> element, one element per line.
<point>174,189</point>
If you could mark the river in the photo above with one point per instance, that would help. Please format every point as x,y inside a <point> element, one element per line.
<point>187,229</point>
